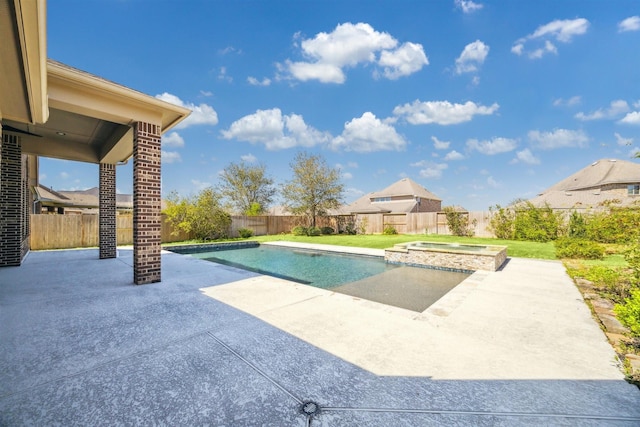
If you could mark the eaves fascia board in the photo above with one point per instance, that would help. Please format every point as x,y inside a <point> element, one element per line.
<point>31,22</point>
<point>132,102</point>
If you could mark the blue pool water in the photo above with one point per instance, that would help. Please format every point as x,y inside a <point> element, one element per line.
<point>320,269</point>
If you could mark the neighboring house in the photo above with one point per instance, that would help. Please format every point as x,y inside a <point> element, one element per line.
<point>604,181</point>
<point>402,196</point>
<point>85,201</point>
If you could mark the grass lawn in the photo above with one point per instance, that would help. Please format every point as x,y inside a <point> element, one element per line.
<point>380,241</point>
<point>515,248</point>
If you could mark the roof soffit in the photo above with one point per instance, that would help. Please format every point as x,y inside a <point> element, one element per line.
<point>83,93</point>
<point>23,87</point>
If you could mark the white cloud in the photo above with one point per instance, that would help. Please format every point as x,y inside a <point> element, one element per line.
<point>222,75</point>
<point>200,185</point>
<point>558,138</point>
<point>631,23</point>
<point>574,100</point>
<point>635,152</point>
<point>42,177</point>
<point>472,57</point>
<point>325,73</point>
<point>206,93</point>
<point>348,45</point>
<point>275,131</point>
<point>621,140</point>
<point>517,48</point>
<point>170,157</point>
<point>347,175</point>
<point>255,82</point>
<point>441,112</point>
<point>202,114</point>
<point>453,155</point>
<point>632,118</point>
<point>495,146</point>
<point>352,165</point>
<point>367,134</point>
<point>65,175</point>
<point>172,139</point>
<point>526,156</point>
<point>440,145</point>
<point>432,170</point>
<point>468,6</point>
<point>616,108</point>
<point>548,48</point>
<point>407,59</point>
<point>229,49</point>
<point>561,30</point>
<point>491,182</point>
<point>249,158</point>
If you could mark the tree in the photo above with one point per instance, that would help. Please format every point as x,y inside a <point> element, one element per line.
<point>248,188</point>
<point>201,216</point>
<point>314,189</point>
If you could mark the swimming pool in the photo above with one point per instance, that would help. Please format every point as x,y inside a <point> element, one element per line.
<point>360,276</point>
<point>320,269</point>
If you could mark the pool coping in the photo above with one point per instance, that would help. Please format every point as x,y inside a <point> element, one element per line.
<point>442,307</point>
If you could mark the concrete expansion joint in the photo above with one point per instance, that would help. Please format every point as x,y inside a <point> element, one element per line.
<point>311,408</point>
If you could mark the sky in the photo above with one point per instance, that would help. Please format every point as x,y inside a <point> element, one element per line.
<point>481,102</point>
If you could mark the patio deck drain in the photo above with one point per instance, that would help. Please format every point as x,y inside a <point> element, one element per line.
<point>309,408</point>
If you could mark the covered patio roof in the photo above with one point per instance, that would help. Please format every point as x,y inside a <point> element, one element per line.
<point>90,118</point>
<point>62,112</point>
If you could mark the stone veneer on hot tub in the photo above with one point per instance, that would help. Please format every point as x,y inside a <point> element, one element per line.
<point>447,255</point>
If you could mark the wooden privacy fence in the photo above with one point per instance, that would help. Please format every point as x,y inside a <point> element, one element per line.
<point>420,223</point>
<point>81,231</point>
<point>77,231</point>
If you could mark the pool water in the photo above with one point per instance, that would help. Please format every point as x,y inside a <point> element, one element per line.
<point>320,269</point>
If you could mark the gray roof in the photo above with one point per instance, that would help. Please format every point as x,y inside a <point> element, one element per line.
<point>84,199</point>
<point>599,173</point>
<point>583,189</point>
<point>403,187</point>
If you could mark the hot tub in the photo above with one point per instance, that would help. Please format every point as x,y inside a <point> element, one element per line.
<point>454,256</point>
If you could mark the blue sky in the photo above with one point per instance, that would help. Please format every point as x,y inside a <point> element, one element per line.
<point>481,102</point>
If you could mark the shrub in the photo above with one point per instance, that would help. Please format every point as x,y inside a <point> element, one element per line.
<point>299,230</point>
<point>618,225</point>
<point>578,248</point>
<point>538,224</point>
<point>577,226</point>
<point>314,231</point>
<point>458,222</point>
<point>201,216</point>
<point>327,230</point>
<point>389,230</point>
<point>501,222</point>
<point>628,312</point>
<point>632,256</point>
<point>245,232</point>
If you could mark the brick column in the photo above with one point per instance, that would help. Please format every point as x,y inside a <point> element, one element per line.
<point>11,201</point>
<point>146,203</point>
<point>107,211</point>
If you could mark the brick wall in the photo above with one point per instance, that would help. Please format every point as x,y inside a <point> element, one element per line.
<point>146,204</point>
<point>14,221</point>
<point>107,226</point>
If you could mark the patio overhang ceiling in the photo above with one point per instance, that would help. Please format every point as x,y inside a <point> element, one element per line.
<point>90,118</point>
<point>23,61</point>
<point>62,112</point>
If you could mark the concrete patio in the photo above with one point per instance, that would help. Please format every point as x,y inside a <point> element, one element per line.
<point>214,345</point>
